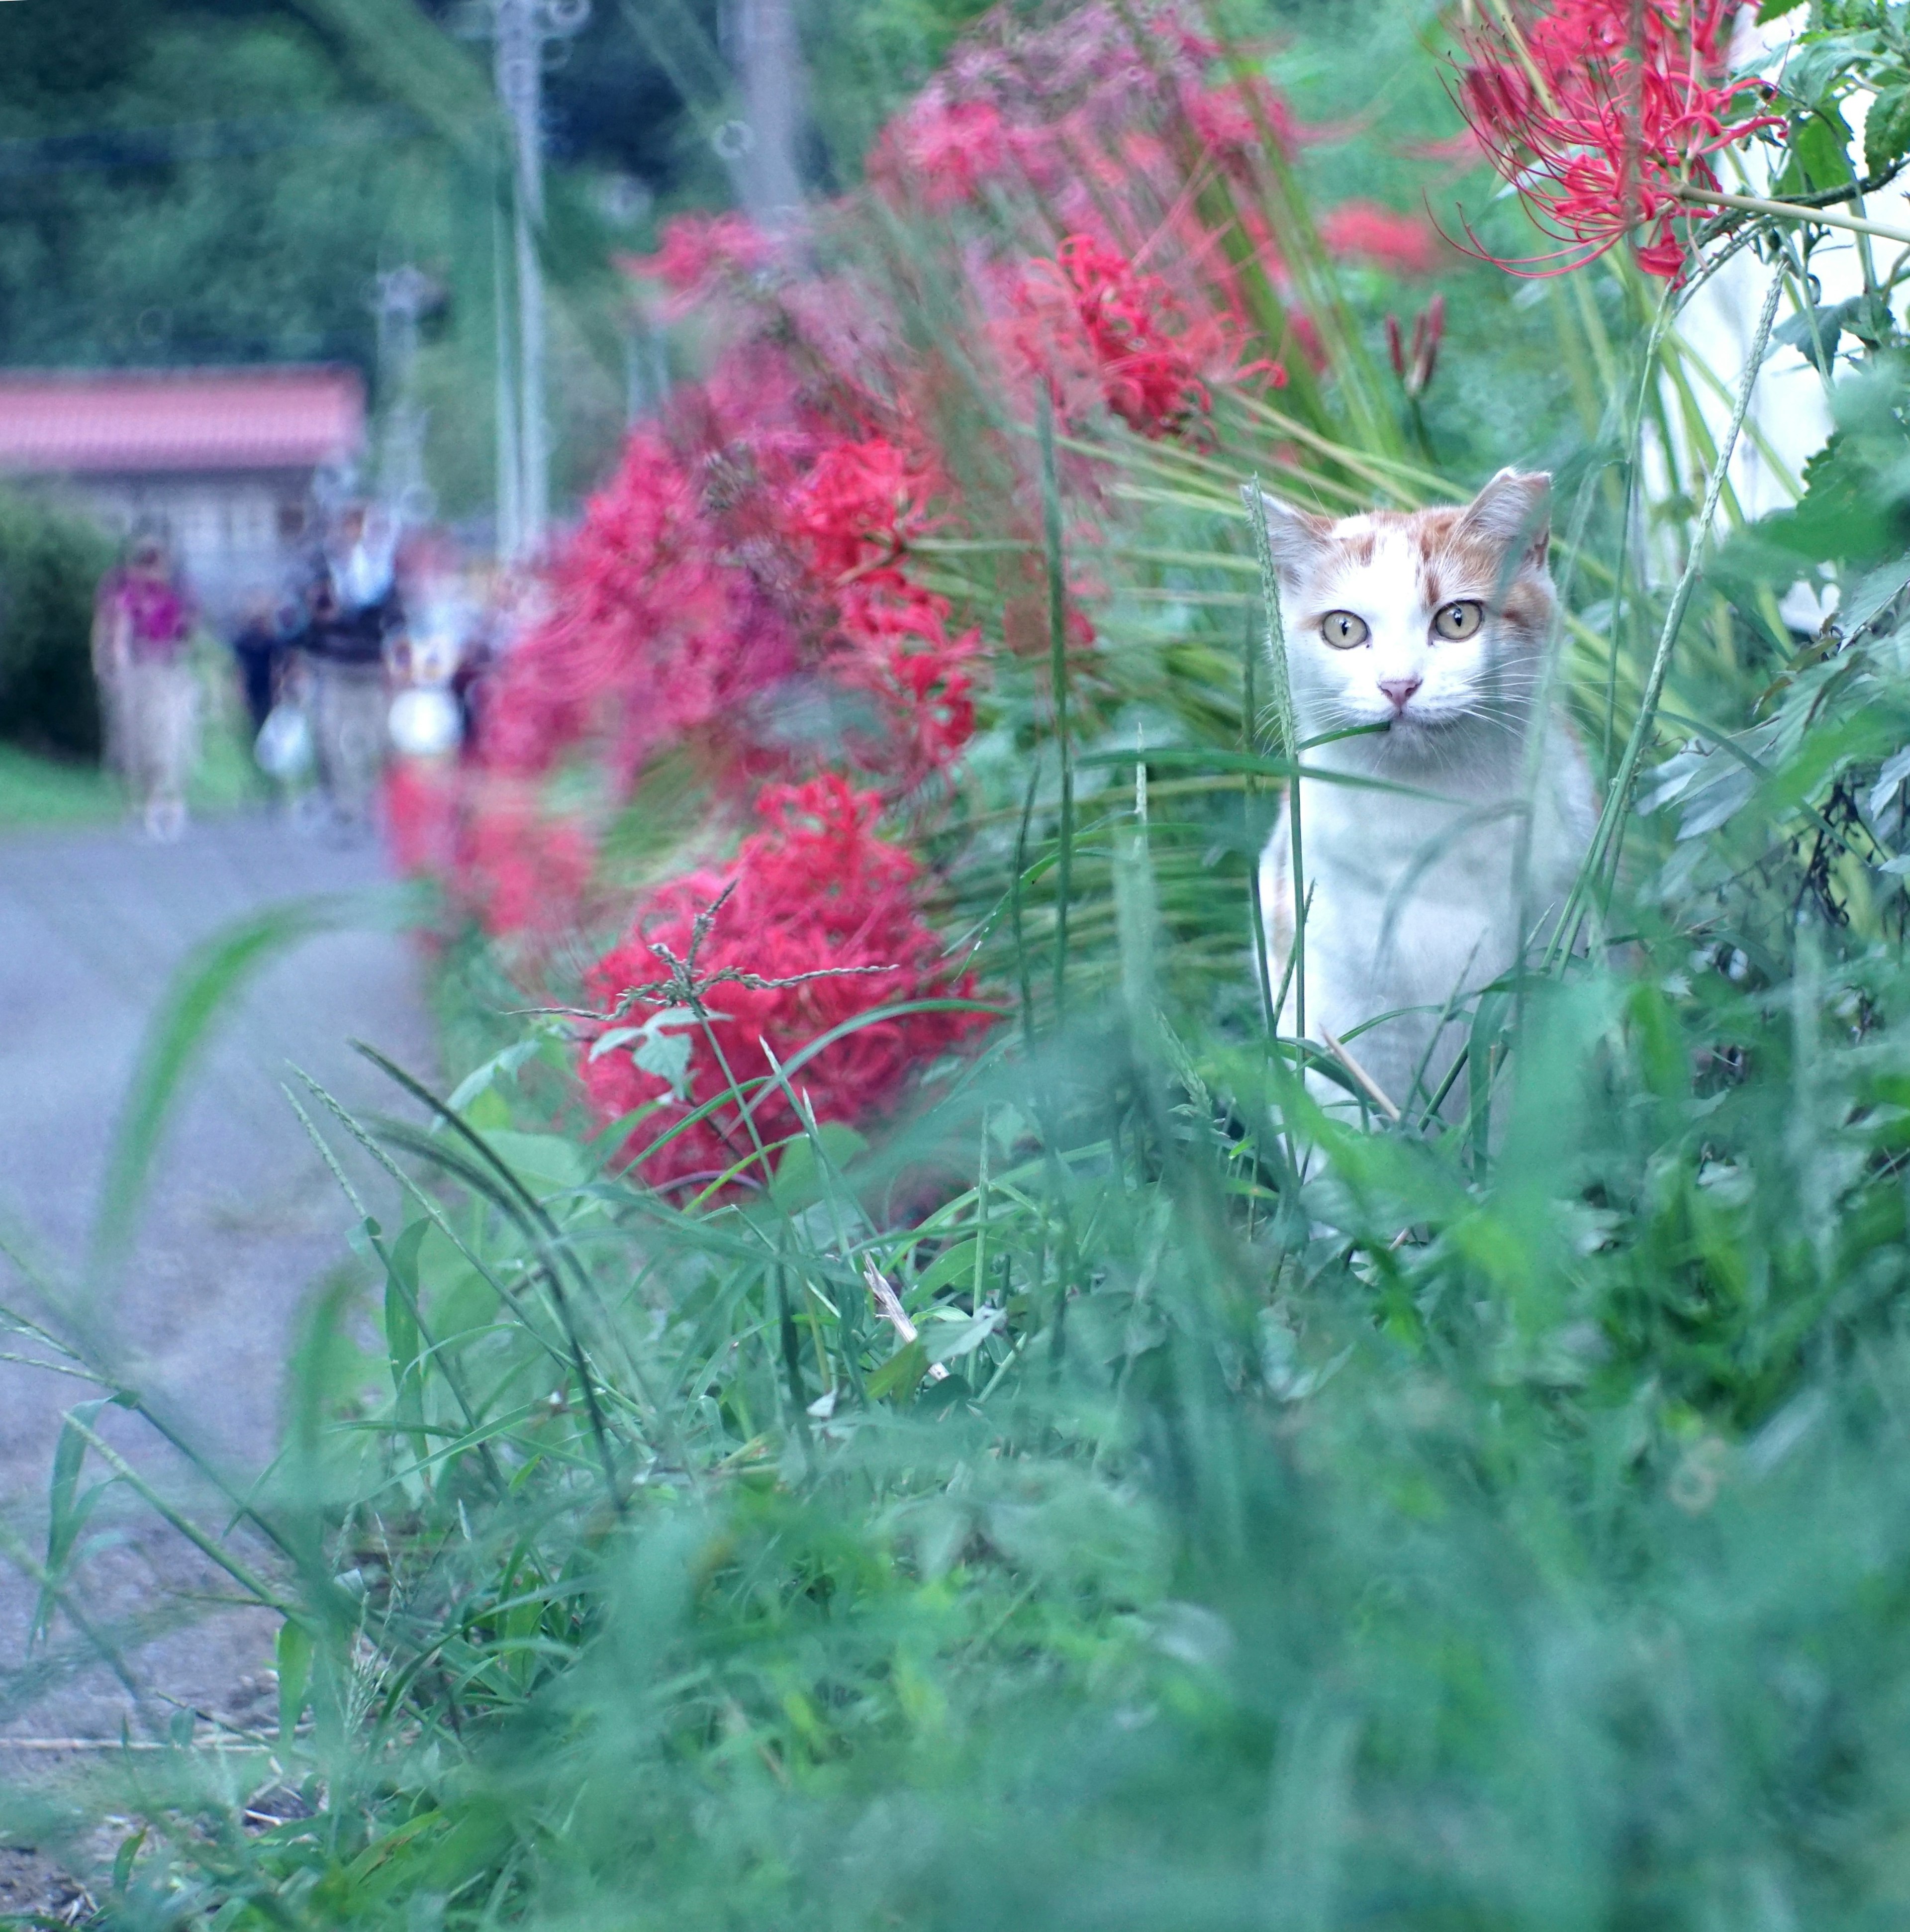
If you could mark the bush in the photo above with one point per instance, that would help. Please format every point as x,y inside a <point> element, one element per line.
<point>50,564</point>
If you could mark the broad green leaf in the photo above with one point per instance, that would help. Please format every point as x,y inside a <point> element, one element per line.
<point>898,1375</point>
<point>949,1341</point>
<point>957,1265</point>
<point>801,1176</point>
<point>545,1163</point>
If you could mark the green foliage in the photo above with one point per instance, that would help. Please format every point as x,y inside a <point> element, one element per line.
<point>131,231</point>
<point>1494,1517</point>
<point>50,564</point>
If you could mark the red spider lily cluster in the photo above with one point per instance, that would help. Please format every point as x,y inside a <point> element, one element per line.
<point>754,543</point>
<point>825,911</point>
<point>751,593</point>
<point>515,868</point>
<point>1602,113</point>
<point>698,254</point>
<point>1109,121</point>
<point>1089,318</point>
<point>1063,108</point>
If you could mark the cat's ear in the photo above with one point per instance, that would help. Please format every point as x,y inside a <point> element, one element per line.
<point>1297,538</point>
<point>1513,514</point>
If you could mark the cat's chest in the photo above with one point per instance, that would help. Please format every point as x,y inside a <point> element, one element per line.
<point>1361,844</point>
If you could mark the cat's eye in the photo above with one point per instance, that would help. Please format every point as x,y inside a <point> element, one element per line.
<point>1457,620</point>
<point>1343,631</point>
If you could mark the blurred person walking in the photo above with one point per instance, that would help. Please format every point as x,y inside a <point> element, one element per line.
<point>259,647</point>
<point>353,609</point>
<point>142,625</point>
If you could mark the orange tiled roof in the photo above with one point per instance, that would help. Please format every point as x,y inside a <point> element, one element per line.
<point>119,420</point>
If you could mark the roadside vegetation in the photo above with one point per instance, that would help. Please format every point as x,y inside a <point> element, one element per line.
<point>882,1398</point>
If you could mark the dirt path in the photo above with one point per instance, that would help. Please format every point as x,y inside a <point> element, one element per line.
<point>241,1220</point>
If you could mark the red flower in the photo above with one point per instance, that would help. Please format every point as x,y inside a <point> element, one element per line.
<point>816,890</point>
<point>517,871</point>
<point>940,152</point>
<point>420,818</point>
<point>699,249</point>
<point>859,507</point>
<point>902,651</point>
<point>1230,118</point>
<point>1401,244</point>
<point>1091,305</point>
<point>1601,112</point>
<point>652,635</point>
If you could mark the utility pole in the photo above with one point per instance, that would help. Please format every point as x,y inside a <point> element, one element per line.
<point>769,63</point>
<point>404,294</point>
<point>520,32</point>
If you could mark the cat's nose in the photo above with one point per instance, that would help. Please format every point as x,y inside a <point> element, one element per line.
<point>1398,689</point>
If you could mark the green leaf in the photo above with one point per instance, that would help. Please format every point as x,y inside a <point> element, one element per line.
<point>957,1265</point>
<point>800,1176</point>
<point>122,1860</point>
<point>1887,128</point>
<point>899,1375</point>
<point>1823,145</point>
<point>482,1079</point>
<point>1776,10</point>
<point>294,1676</point>
<point>544,1163</point>
<point>67,1510</point>
<point>948,1341</point>
<point>488,1110</point>
<point>402,1339</point>
<point>1822,62</point>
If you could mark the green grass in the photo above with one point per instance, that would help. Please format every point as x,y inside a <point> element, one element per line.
<point>36,791</point>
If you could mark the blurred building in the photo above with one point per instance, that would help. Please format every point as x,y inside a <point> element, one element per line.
<point>227,462</point>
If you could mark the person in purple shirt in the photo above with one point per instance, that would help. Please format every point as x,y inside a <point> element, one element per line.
<point>142,629</point>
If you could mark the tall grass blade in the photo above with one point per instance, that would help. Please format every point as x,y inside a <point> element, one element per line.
<point>1057,636</point>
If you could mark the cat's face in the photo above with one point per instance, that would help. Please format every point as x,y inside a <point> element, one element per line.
<point>1423,622</point>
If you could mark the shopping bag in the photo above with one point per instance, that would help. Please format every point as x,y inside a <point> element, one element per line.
<point>283,747</point>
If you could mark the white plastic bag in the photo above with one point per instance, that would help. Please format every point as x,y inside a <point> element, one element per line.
<point>283,747</point>
<point>424,722</point>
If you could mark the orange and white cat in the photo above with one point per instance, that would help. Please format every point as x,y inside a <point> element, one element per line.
<point>1434,625</point>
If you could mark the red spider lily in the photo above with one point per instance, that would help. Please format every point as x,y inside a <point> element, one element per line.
<point>1090,305</point>
<point>649,635</point>
<point>902,651</point>
<point>697,250</point>
<point>519,872</point>
<point>942,152</point>
<point>1045,103</point>
<point>858,508</point>
<point>817,890</point>
<point>1234,119</point>
<point>421,818</point>
<point>1601,112</point>
<point>1363,231</point>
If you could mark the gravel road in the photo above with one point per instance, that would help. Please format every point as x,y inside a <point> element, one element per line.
<point>241,1221</point>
